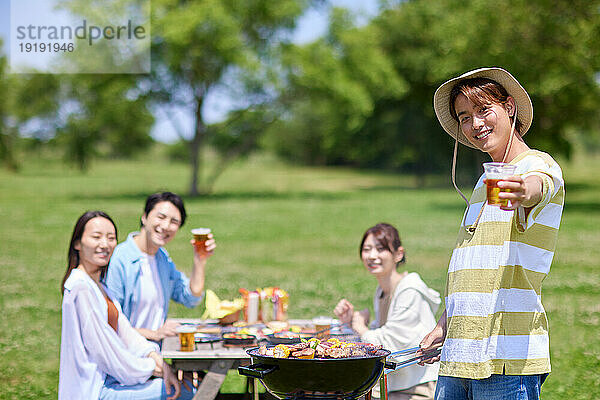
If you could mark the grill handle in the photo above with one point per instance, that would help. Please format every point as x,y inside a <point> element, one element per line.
<point>389,364</point>
<point>258,371</point>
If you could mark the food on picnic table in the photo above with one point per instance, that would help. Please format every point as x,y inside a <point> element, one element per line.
<point>273,304</point>
<point>237,335</point>
<point>315,348</point>
<point>288,334</point>
<point>219,309</point>
<point>267,304</point>
<point>248,331</point>
<point>277,326</point>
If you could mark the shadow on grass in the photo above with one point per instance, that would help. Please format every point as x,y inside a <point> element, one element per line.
<point>414,188</point>
<point>272,195</point>
<point>141,196</point>
<point>566,289</point>
<point>580,186</point>
<point>454,205</point>
<point>581,207</point>
<point>266,195</point>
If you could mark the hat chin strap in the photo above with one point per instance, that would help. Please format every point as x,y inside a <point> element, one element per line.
<point>471,228</point>
<point>454,169</point>
<point>512,132</point>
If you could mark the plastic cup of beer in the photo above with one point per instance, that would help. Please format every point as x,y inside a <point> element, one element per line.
<point>200,238</point>
<point>495,172</point>
<point>186,337</point>
<point>321,323</point>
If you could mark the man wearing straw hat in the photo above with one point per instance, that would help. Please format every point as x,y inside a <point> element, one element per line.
<point>494,330</point>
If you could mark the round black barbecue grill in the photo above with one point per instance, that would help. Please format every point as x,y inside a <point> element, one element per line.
<point>318,378</point>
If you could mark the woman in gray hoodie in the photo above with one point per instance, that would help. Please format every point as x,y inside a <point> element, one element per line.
<point>404,310</point>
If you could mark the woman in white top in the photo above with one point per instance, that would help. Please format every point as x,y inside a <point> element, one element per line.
<point>101,355</point>
<point>404,309</point>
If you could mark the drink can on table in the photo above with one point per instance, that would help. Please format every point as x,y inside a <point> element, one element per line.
<point>252,307</point>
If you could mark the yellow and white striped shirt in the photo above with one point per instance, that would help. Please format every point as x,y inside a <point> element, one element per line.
<point>496,321</point>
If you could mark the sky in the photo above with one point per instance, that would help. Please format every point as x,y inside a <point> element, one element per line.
<point>311,25</point>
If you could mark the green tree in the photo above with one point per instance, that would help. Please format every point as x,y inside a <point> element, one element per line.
<point>236,138</point>
<point>7,135</point>
<point>550,47</point>
<point>375,109</point>
<point>201,45</point>
<point>86,115</point>
<point>103,115</point>
<point>28,107</point>
<point>333,88</point>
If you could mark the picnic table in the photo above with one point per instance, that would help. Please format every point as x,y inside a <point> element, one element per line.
<point>214,358</point>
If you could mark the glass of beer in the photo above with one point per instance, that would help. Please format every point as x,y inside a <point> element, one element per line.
<point>495,172</point>
<point>200,238</point>
<point>186,337</point>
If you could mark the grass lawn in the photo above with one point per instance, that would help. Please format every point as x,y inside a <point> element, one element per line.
<point>293,227</point>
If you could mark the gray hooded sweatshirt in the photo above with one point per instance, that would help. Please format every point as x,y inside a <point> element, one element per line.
<point>410,317</point>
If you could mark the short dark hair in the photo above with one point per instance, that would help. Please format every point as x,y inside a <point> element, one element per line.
<point>481,91</point>
<point>385,235</point>
<point>156,198</point>
<point>73,254</point>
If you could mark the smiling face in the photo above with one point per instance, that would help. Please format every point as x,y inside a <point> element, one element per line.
<point>160,225</point>
<point>97,243</point>
<point>378,259</point>
<point>486,126</point>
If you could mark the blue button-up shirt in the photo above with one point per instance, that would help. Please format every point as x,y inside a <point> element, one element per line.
<point>123,275</point>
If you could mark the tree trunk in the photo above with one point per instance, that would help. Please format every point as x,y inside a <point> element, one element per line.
<point>7,154</point>
<point>195,146</point>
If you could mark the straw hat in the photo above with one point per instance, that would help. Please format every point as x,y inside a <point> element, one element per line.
<point>441,100</point>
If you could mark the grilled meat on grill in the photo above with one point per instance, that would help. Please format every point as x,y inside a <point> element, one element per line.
<point>298,346</point>
<point>304,353</point>
<point>339,352</point>
<point>314,348</point>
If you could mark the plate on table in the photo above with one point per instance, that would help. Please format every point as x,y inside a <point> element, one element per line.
<point>206,338</point>
<point>287,337</point>
<point>237,339</point>
<point>272,339</point>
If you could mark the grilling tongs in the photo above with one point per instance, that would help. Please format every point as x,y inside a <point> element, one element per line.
<point>414,359</point>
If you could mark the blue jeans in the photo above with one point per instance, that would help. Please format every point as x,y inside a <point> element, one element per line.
<point>152,389</point>
<point>496,387</point>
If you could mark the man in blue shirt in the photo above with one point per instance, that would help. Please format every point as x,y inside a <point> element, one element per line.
<point>142,276</point>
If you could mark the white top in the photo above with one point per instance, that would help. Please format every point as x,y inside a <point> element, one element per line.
<point>410,317</point>
<point>149,311</point>
<point>90,349</point>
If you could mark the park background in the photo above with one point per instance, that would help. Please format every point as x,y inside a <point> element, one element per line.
<point>319,139</point>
